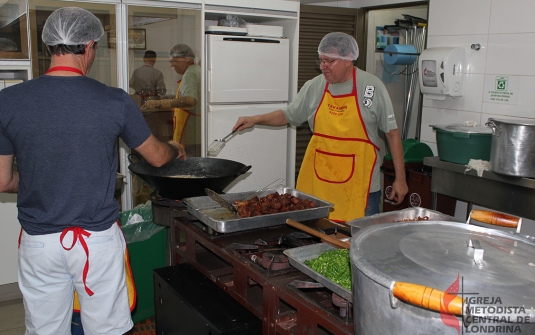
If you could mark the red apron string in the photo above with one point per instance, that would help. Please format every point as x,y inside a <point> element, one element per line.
<point>20,237</point>
<point>79,232</point>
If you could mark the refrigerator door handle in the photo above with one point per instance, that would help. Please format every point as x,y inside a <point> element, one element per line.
<point>209,81</point>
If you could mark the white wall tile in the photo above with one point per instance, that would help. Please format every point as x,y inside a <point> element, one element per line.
<point>429,115</point>
<point>526,101</point>
<point>511,54</point>
<point>459,17</point>
<point>512,16</point>
<point>471,99</point>
<point>433,147</point>
<point>475,60</point>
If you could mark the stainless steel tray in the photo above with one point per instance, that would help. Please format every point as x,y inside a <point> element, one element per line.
<point>223,221</point>
<point>297,258</point>
<point>409,214</point>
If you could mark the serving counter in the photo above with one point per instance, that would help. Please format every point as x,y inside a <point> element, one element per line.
<point>513,195</point>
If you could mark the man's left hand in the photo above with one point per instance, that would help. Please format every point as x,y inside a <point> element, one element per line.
<point>399,191</point>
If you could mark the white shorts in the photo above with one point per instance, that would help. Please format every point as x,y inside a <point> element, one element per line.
<point>49,274</point>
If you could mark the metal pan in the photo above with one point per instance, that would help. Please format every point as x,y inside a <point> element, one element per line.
<point>223,221</point>
<point>297,258</point>
<point>182,179</point>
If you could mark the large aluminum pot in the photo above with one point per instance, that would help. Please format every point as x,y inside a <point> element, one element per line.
<point>513,147</point>
<point>401,270</point>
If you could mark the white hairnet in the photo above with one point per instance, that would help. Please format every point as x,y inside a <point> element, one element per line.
<point>181,50</point>
<point>72,26</point>
<point>339,45</point>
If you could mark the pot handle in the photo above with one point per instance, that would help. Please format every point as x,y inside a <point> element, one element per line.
<point>495,130</point>
<point>497,219</point>
<point>245,169</point>
<point>428,298</point>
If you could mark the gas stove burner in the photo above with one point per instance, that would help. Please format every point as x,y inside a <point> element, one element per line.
<point>268,253</point>
<point>273,260</point>
<point>320,295</point>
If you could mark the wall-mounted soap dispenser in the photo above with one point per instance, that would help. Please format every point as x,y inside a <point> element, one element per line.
<point>441,72</point>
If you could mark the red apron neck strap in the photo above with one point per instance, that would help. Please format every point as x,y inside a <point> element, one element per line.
<point>65,68</point>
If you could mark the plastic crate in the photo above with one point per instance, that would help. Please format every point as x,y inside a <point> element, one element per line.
<point>459,148</point>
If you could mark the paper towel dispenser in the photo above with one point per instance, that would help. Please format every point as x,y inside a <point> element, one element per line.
<point>441,72</point>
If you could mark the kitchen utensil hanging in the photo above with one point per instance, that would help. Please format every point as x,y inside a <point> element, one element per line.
<point>217,145</point>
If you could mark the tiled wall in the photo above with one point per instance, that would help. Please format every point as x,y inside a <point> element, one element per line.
<point>506,32</point>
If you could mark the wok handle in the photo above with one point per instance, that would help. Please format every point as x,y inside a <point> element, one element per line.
<point>245,169</point>
<point>139,159</point>
<point>314,232</point>
<point>426,297</point>
<point>496,219</point>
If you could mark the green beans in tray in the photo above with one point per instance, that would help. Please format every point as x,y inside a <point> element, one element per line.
<point>333,265</point>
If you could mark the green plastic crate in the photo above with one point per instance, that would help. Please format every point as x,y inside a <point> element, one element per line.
<point>459,148</point>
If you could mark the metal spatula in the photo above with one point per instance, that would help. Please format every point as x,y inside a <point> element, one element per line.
<point>216,146</point>
<point>222,202</point>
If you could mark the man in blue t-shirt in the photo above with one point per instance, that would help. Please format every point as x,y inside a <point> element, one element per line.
<point>63,128</point>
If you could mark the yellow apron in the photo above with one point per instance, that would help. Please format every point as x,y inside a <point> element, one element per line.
<point>130,285</point>
<point>180,117</point>
<point>340,157</point>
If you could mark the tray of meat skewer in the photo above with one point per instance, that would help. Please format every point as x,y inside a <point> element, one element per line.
<point>269,208</point>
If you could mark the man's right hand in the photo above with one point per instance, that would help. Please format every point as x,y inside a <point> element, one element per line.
<point>274,119</point>
<point>243,122</point>
<point>181,152</point>
<point>158,153</point>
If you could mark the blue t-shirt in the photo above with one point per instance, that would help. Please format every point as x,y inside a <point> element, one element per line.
<point>64,134</point>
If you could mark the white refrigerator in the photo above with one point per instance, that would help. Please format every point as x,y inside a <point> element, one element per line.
<point>248,76</point>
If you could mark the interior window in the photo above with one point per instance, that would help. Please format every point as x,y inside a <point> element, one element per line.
<point>13,30</point>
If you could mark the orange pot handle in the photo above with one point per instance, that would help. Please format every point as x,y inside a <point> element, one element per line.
<point>496,219</point>
<point>427,297</point>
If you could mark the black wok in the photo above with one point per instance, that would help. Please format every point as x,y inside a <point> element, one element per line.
<point>183,179</point>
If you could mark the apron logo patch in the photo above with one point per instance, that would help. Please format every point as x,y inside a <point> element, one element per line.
<point>367,102</point>
<point>368,91</point>
<point>336,110</point>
